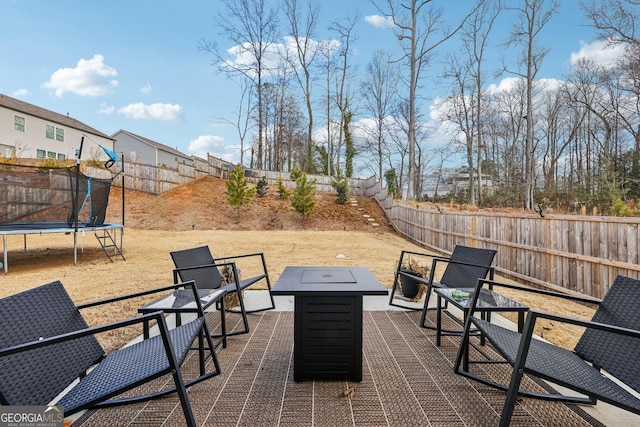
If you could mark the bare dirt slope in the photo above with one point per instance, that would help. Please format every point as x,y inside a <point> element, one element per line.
<point>202,205</point>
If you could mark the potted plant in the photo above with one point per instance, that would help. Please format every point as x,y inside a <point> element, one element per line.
<point>412,288</point>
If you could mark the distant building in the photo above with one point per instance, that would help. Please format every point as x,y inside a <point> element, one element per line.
<point>449,182</point>
<point>138,149</point>
<point>28,131</point>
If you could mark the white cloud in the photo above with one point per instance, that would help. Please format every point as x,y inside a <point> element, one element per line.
<point>379,21</point>
<point>91,77</point>
<point>505,85</point>
<point>599,52</point>
<point>511,83</point>
<point>241,56</point>
<point>214,145</point>
<point>20,93</point>
<point>157,111</point>
<point>146,89</point>
<point>106,108</point>
<point>313,47</point>
<point>549,84</point>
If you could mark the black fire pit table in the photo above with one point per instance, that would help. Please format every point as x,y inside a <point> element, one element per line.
<point>328,319</point>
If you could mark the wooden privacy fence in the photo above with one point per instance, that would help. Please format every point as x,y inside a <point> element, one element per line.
<point>157,180</point>
<point>580,254</point>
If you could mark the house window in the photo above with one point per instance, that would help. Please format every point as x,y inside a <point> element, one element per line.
<point>61,156</point>
<point>41,154</point>
<point>59,134</point>
<point>51,154</point>
<point>18,123</point>
<point>50,132</point>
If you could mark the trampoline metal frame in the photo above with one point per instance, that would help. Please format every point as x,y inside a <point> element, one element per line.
<point>47,228</point>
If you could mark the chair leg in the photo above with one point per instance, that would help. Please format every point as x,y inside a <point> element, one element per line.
<point>271,307</point>
<point>518,372</point>
<point>223,324</point>
<point>176,374</point>
<point>423,317</point>
<point>243,312</point>
<point>257,310</point>
<point>393,290</point>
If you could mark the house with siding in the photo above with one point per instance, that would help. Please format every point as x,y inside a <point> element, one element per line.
<point>138,149</point>
<point>29,131</point>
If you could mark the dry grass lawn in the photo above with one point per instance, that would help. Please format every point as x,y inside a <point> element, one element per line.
<point>148,265</point>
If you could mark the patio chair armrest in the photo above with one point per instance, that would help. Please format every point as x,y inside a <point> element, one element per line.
<point>251,255</point>
<point>156,315</point>
<point>436,260</point>
<point>185,285</point>
<point>575,298</point>
<point>177,270</point>
<point>404,252</point>
<point>470,264</point>
<point>260,254</point>
<point>538,314</point>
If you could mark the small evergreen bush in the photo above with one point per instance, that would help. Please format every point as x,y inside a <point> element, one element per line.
<point>238,191</point>
<point>304,196</point>
<point>341,186</point>
<point>262,188</point>
<point>283,192</point>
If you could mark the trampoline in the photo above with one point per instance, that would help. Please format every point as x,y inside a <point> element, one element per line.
<point>110,240</point>
<point>43,200</point>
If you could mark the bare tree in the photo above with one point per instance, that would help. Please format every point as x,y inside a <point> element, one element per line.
<point>398,133</point>
<point>243,117</point>
<point>476,38</point>
<point>442,154</point>
<point>344,29</point>
<point>252,27</point>
<point>531,18</point>
<point>461,108</point>
<point>302,31</point>
<point>506,130</point>
<point>327,51</point>
<point>615,20</point>
<point>420,29</point>
<point>379,92</point>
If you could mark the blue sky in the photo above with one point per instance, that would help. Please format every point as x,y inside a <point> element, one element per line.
<point>135,64</point>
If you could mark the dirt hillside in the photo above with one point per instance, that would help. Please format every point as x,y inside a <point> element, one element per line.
<point>202,205</point>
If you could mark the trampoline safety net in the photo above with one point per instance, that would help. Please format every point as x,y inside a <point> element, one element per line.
<point>33,194</point>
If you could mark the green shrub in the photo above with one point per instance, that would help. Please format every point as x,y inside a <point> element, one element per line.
<point>390,177</point>
<point>620,208</point>
<point>238,191</point>
<point>262,188</point>
<point>96,163</point>
<point>47,164</point>
<point>304,196</point>
<point>295,173</point>
<point>341,186</point>
<point>283,192</point>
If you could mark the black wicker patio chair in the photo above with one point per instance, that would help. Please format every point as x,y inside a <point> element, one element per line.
<point>199,264</point>
<point>609,347</point>
<point>464,267</point>
<point>46,345</point>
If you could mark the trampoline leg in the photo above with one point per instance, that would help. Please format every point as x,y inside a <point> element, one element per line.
<point>4,245</point>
